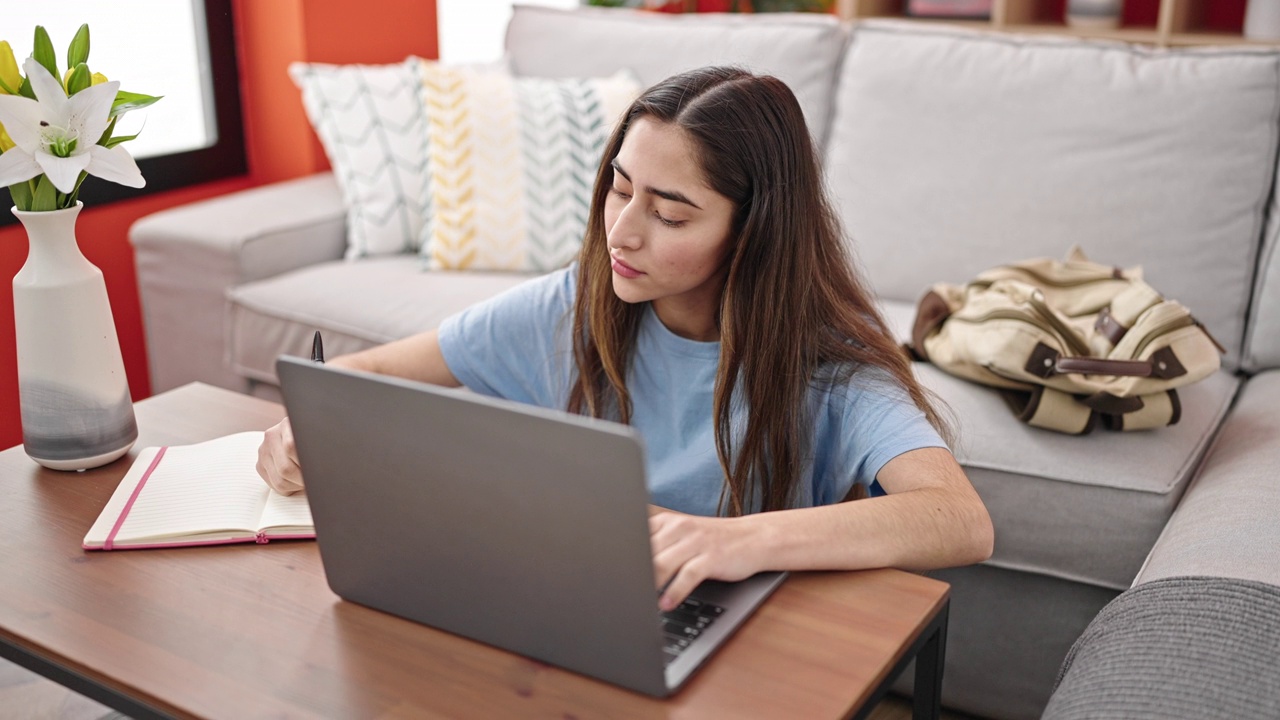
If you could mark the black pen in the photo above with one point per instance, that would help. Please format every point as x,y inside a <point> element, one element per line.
<point>317,349</point>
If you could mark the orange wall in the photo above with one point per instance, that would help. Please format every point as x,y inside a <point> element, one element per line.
<point>280,145</point>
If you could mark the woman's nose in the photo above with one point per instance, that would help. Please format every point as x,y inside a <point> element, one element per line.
<point>626,231</point>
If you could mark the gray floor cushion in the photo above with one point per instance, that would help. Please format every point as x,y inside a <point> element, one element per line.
<point>1182,647</point>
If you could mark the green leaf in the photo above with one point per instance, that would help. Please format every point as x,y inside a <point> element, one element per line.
<point>79,80</point>
<point>78,50</point>
<point>117,140</point>
<point>43,52</point>
<point>21,194</point>
<point>26,91</point>
<point>75,192</point>
<point>46,197</point>
<point>106,134</point>
<point>126,101</point>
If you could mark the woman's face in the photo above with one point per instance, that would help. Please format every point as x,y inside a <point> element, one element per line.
<point>668,231</point>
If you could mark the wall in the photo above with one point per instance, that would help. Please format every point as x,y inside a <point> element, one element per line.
<point>280,145</point>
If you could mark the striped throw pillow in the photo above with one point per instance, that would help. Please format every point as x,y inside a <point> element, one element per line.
<point>511,164</point>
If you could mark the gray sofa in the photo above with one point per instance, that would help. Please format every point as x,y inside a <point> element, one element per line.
<point>947,151</point>
<point>1198,635</point>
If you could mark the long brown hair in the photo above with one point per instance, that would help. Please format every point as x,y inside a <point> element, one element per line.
<point>792,303</point>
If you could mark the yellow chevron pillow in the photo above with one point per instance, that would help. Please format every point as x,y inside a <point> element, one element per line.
<point>511,163</point>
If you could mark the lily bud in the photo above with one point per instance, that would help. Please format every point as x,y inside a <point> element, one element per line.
<point>78,51</point>
<point>5,141</point>
<point>10,78</point>
<point>76,79</point>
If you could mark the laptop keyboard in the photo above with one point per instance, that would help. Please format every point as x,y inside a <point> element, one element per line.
<point>684,624</point>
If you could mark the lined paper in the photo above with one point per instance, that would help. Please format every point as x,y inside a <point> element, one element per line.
<point>286,511</point>
<point>210,487</point>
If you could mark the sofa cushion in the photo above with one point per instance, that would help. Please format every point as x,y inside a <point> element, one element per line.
<point>370,121</point>
<point>512,164</point>
<point>1084,508</point>
<point>962,150</point>
<point>801,50</point>
<point>1262,339</point>
<point>354,305</point>
<point>1228,523</point>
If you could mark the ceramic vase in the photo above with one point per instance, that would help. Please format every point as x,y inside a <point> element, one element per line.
<point>74,396</point>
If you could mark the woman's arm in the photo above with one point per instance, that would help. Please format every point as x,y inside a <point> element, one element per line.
<point>417,357</point>
<point>931,518</point>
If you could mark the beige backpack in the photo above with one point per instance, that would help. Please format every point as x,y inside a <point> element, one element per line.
<point>1070,341</point>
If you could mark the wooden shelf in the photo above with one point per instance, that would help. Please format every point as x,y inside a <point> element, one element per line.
<point>1148,36</point>
<point>1180,23</point>
<point>1194,39</point>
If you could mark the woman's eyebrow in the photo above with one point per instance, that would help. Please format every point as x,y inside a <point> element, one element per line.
<point>671,195</point>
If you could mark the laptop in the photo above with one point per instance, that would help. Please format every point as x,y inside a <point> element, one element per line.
<point>520,527</point>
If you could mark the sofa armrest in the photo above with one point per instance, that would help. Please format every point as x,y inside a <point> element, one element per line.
<point>188,257</point>
<point>1226,524</point>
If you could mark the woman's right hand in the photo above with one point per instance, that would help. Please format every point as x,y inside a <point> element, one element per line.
<point>278,459</point>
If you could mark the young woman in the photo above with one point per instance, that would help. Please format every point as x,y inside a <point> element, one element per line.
<point>714,307</point>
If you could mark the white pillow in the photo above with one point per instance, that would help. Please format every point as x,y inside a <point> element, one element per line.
<point>370,122</point>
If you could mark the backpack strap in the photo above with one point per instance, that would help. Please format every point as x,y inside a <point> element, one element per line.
<point>1044,407</point>
<point>1045,362</point>
<point>1158,410</point>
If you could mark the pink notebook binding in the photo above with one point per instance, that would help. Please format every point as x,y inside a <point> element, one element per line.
<point>203,494</point>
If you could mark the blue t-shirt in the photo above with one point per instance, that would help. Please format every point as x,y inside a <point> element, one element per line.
<point>516,346</point>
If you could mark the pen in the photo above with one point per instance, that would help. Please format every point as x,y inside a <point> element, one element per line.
<point>317,349</point>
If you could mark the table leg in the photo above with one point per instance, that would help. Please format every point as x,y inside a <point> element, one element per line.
<point>73,680</point>
<point>926,702</point>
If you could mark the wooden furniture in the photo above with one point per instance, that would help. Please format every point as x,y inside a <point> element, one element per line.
<point>1178,22</point>
<point>241,630</point>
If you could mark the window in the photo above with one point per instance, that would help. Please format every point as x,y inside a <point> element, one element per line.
<point>473,30</point>
<point>181,49</point>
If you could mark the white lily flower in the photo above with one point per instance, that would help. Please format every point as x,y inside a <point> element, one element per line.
<point>58,135</point>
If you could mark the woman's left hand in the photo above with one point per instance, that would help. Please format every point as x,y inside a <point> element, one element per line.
<point>688,549</point>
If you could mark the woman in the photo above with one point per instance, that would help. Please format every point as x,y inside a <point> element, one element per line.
<point>714,307</point>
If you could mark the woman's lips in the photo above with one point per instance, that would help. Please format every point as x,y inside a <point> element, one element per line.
<point>624,269</point>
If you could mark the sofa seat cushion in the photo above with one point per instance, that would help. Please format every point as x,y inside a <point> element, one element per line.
<point>1084,508</point>
<point>355,305</point>
<point>1228,523</point>
<point>952,151</point>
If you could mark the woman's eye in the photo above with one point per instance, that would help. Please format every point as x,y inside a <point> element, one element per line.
<point>619,193</point>
<point>668,223</point>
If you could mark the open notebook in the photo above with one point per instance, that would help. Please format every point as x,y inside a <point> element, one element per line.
<point>203,494</point>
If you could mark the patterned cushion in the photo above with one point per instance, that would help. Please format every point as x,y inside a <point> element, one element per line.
<point>370,122</point>
<point>511,164</point>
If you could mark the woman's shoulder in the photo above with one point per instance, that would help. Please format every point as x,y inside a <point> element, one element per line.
<point>848,384</point>
<point>553,291</point>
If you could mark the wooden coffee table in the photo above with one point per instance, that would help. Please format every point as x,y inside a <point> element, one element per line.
<point>240,630</point>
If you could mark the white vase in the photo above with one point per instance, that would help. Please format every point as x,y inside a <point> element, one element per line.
<point>1262,20</point>
<point>76,409</point>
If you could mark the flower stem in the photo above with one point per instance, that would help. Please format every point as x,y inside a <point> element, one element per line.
<point>75,191</point>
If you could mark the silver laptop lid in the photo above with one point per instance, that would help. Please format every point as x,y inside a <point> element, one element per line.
<point>519,527</point>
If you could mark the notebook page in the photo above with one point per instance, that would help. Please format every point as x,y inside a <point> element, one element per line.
<point>287,511</point>
<point>200,488</point>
